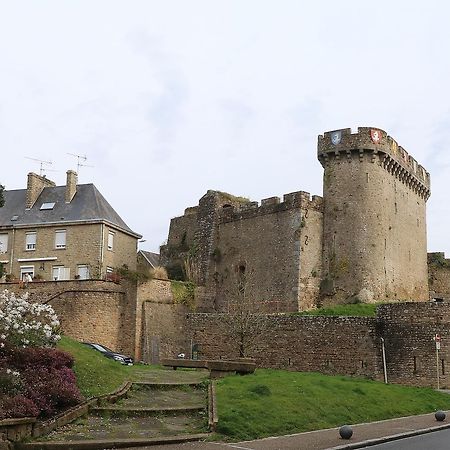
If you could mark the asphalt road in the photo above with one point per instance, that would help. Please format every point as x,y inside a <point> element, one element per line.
<point>438,440</point>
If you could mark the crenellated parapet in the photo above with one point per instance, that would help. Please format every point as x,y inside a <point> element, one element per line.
<point>271,205</point>
<point>343,145</point>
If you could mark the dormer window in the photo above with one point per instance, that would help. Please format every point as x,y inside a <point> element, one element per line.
<point>49,205</point>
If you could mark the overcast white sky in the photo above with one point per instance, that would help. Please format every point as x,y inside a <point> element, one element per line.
<point>168,99</point>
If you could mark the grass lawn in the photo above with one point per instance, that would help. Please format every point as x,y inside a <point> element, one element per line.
<point>96,375</point>
<point>277,402</point>
<point>357,309</point>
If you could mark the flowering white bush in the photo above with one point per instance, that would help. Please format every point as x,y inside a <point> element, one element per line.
<point>26,324</point>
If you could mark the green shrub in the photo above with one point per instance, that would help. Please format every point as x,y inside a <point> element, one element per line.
<point>184,293</point>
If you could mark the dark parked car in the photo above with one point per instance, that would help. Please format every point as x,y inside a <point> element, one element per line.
<point>105,351</point>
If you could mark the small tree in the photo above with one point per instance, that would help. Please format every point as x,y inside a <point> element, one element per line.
<point>245,319</point>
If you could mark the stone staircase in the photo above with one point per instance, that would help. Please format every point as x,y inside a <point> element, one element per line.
<point>152,412</point>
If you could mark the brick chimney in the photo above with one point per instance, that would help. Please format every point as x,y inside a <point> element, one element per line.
<point>35,186</point>
<point>71,185</point>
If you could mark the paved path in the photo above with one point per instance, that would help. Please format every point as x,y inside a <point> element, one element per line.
<point>324,439</point>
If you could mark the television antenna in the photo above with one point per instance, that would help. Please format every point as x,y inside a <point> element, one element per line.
<point>42,169</point>
<point>81,159</point>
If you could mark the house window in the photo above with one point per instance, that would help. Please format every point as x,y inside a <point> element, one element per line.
<point>109,274</point>
<point>3,243</point>
<point>60,239</point>
<point>83,272</point>
<point>111,240</point>
<point>24,270</point>
<point>30,241</point>
<point>61,273</point>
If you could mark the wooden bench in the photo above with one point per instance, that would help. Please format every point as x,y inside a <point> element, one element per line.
<point>186,363</point>
<point>218,368</point>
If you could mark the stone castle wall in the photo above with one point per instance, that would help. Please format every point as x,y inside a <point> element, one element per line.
<point>282,269</point>
<point>88,310</point>
<point>330,345</point>
<point>344,345</point>
<point>161,322</point>
<point>374,219</point>
<point>439,275</point>
<point>408,330</point>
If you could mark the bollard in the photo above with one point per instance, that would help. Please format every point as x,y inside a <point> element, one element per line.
<point>440,416</point>
<point>346,432</point>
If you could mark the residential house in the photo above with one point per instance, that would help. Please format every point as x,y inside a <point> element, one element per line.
<point>62,232</point>
<point>147,261</point>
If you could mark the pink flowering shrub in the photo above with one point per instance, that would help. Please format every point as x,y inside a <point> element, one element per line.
<point>17,406</point>
<point>35,379</point>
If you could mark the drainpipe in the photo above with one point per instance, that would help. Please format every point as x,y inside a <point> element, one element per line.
<point>384,361</point>
<point>102,237</point>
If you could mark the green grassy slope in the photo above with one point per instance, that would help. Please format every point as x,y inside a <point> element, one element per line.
<point>96,375</point>
<point>276,402</point>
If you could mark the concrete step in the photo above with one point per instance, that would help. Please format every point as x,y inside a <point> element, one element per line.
<point>98,444</point>
<point>115,410</point>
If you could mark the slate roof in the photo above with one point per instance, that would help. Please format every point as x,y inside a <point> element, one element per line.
<point>152,258</point>
<point>88,205</point>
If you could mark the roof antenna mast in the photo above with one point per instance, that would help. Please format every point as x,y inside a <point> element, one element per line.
<point>42,169</point>
<point>80,160</point>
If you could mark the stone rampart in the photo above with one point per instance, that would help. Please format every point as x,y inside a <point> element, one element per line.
<point>409,330</point>
<point>88,310</point>
<point>272,205</point>
<point>330,345</point>
<point>439,275</point>
<point>344,345</point>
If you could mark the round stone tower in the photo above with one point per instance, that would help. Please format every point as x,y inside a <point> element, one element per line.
<point>374,197</point>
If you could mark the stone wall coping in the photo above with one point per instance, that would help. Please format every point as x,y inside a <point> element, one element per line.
<point>19,421</point>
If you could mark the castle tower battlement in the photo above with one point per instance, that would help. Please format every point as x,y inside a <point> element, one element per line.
<point>271,205</point>
<point>374,197</point>
<point>343,145</point>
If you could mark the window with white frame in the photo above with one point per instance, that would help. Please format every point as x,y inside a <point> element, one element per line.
<point>83,272</point>
<point>60,239</point>
<point>30,241</point>
<point>24,270</point>
<point>111,240</point>
<point>3,243</point>
<point>61,273</point>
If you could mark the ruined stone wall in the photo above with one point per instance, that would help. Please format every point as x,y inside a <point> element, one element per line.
<point>162,333</point>
<point>408,330</point>
<point>274,249</point>
<point>181,236</point>
<point>374,220</point>
<point>330,345</point>
<point>439,275</point>
<point>89,311</point>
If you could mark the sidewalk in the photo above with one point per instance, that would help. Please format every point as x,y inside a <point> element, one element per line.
<point>363,435</point>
